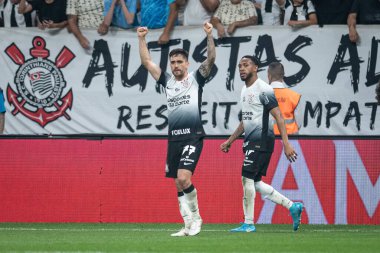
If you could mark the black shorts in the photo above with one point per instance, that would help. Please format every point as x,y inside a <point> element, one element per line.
<point>183,155</point>
<point>255,162</point>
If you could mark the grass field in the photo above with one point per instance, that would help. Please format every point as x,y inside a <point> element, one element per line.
<point>122,237</point>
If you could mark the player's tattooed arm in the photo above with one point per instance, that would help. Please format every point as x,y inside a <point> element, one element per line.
<point>206,66</point>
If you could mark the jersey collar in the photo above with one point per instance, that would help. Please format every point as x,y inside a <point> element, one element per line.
<point>278,85</point>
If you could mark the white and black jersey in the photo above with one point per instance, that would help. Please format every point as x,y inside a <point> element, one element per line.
<point>11,18</point>
<point>184,101</point>
<point>299,13</point>
<point>257,100</point>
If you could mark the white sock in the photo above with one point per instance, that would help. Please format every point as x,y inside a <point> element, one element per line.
<point>184,210</point>
<point>192,202</point>
<point>248,199</point>
<point>270,193</point>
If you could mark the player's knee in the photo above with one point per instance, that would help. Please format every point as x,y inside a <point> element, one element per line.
<point>183,181</point>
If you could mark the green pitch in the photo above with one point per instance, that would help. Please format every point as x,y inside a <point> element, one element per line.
<point>63,237</point>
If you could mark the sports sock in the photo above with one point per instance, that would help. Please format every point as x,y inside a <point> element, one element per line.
<point>192,201</point>
<point>270,193</point>
<point>248,199</point>
<point>184,209</point>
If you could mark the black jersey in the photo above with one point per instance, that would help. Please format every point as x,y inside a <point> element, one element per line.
<point>184,101</point>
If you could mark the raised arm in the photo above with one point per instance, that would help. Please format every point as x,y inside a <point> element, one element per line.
<point>225,146</point>
<point>206,66</point>
<point>290,154</point>
<point>146,60</point>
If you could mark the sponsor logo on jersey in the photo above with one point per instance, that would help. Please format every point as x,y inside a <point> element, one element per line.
<point>181,131</point>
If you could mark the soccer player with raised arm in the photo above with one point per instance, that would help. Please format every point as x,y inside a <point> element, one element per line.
<point>258,103</point>
<point>184,100</point>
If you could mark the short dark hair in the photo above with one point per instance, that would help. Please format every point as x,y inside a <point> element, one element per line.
<point>180,51</point>
<point>252,58</point>
<point>276,70</point>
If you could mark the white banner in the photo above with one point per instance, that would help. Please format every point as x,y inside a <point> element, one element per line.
<point>53,86</point>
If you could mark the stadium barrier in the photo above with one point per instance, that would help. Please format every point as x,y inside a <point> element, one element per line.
<point>122,180</point>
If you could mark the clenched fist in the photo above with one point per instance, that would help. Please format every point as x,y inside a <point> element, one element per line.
<point>207,27</point>
<point>142,31</point>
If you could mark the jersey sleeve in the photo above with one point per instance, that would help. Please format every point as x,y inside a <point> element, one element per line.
<point>268,99</point>
<point>164,78</point>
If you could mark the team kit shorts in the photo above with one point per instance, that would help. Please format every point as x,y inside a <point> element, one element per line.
<point>255,162</point>
<point>183,155</point>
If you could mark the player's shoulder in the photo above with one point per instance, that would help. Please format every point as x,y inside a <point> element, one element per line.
<point>193,74</point>
<point>264,86</point>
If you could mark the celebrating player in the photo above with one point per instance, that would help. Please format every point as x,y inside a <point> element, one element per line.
<point>184,98</point>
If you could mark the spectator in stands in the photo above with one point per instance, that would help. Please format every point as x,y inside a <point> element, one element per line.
<point>197,12</point>
<point>210,5</point>
<point>11,16</point>
<point>300,13</point>
<point>257,4</point>
<point>119,13</point>
<point>362,12</point>
<point>272,11</point>
<point>84,14</point>
<point>159,14</point>
<point>2,111</point>
<point>332,12</point>
<point>50,13</point>
<point>233,14</point>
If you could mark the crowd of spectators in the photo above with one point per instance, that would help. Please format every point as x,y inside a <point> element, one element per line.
<point>225,15</point>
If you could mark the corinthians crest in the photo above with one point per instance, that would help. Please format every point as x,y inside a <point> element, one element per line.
<point>40,83</point>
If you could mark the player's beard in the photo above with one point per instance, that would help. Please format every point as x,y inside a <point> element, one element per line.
<point>247,77</point>
<point>178,74</point>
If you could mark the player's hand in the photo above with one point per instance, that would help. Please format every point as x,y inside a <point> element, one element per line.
<point>207,27</point>
<point>225,146</point>
<point>142,31</point>
<point>290,154</point>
